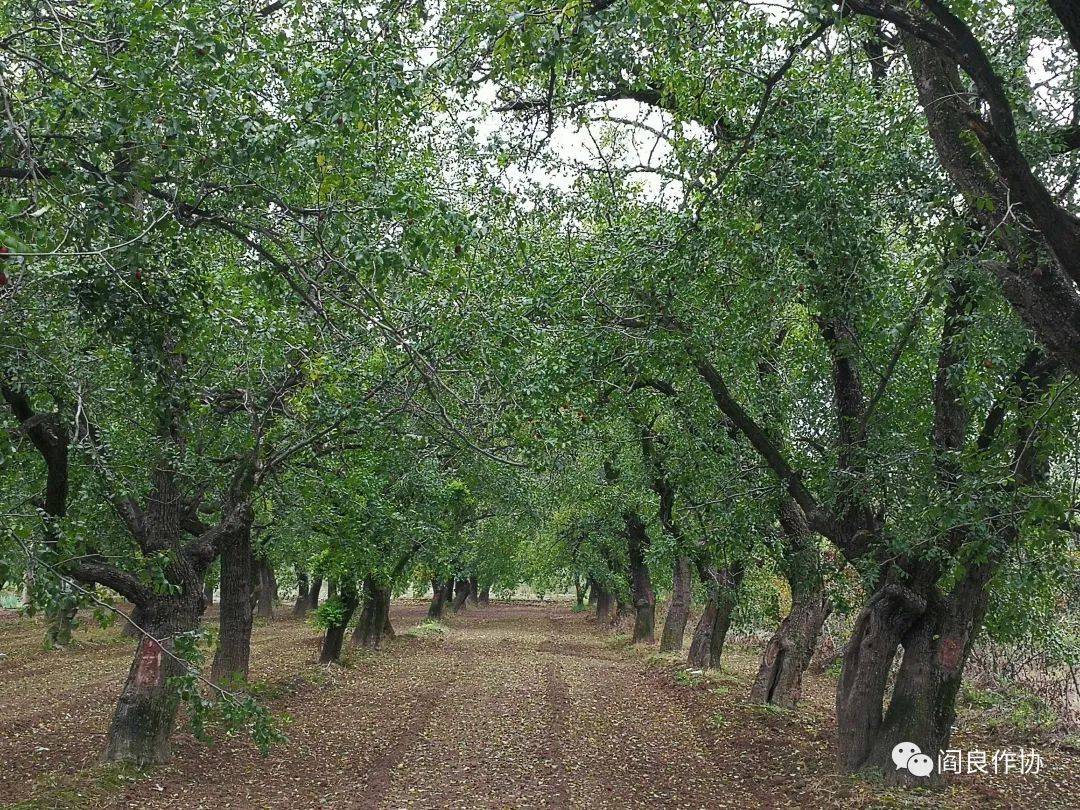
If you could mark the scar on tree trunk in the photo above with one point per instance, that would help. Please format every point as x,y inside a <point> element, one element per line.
<point>146,710</point>
<point>335,633</point>
<point>722,585</point>
<point>788,653</point>
<point>678,607</point>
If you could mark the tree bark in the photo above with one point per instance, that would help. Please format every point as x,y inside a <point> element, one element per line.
<point>375,616</point>
<point>640,583</point>
<point>335,633</point>
<point>438,598</point>
<point>233,656</point>
<point>300,607</point>
<point>461,594</point>
<point>678,606</point>
<point>868,657</point>
<point>267,589</point>
<point>146,711</point>
<point>603,602</point>
<point>314,592</point>
<point>485,594</point>
<point>707,645</point>
<point>788,653</point>
<point>474,590</point>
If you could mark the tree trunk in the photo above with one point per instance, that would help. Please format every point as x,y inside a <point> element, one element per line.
<point>591,584</point>
<point>300,607</point>
<point>267,589</point>
<point>698,657</point>
<point>868,657</point>
<point>314,592</point>
<point>678,608</point>
<point>375,616</point>
<point>335,633</point>
<point>474,590</point>
<point>233,655</point>
<point>146,711</point>
<point>603,602</point>
<point>579,593</point>
<point>485,594</point>
<point>208,592</point>
<point>438,599</point>
<point>640,583</point>
<point>788,653</point>
<point>461,594</point>
<point>707,645</point>
<point>936,635</point>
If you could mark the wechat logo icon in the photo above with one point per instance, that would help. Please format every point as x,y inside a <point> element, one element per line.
<point>909,756</point>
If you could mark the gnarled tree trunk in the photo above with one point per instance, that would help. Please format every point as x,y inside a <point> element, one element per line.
<point>678,607</point>
<point>788,653</point>
<point>603,602</point>
<point>707,645</point>
<point>868,657</point>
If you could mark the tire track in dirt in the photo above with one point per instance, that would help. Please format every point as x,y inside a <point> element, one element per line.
<point>558,709</point>
<point>377,780</point>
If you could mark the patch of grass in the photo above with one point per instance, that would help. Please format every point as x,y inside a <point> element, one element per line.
<point>667,660</point>
<point>689,677</point>
<point>428,628</point>
<point>285,687</point>
<point>618,641</point>
<point>95,785</point>
<point>979,698</point>
<point>716,720</point>
<point>1013,709</point>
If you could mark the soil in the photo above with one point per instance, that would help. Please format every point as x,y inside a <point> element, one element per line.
<point>513,705</point>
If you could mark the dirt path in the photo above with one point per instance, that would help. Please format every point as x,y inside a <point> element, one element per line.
<point>514,706</point>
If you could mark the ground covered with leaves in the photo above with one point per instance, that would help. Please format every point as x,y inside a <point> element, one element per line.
<point>513,705</point>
